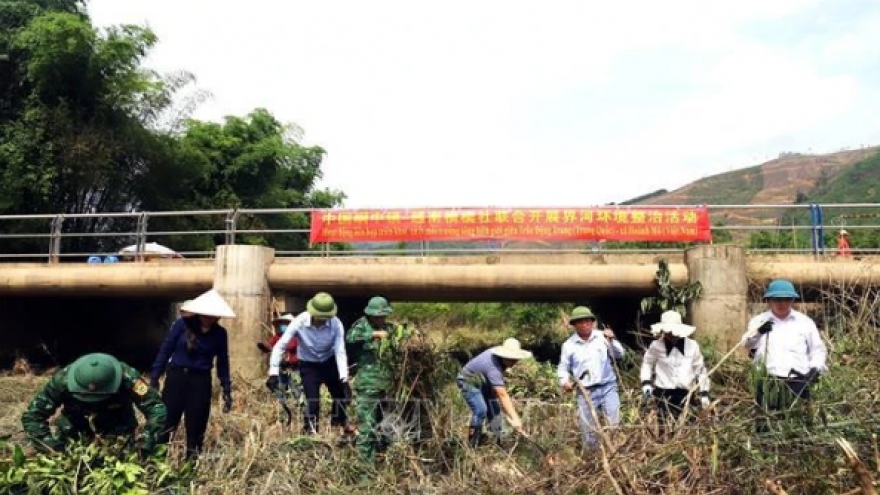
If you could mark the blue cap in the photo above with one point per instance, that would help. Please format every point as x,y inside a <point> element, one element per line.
<point>94,259</point>
<point>110,259</point>
<point>780,289</point>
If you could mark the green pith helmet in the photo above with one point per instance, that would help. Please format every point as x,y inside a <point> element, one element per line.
<point>580,313</point>
<point>321,306</point>
<point>93,377</point>
<point>378,306</point>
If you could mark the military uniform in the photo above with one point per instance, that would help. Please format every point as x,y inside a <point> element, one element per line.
<point>373,378</point>
<point>96,394</point>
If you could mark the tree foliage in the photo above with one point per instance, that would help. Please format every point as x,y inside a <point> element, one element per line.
<point>85,128</point>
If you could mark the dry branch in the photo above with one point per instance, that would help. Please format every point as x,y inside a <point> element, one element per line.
<point>866,482</point>
<point>775,488</point>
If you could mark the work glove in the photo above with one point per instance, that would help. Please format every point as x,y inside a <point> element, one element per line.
<point>765,327</point>
<point>273,383</point>
<point>647,391</point>
<point>705,402</point>
<point>227,402</point>
<point>346,391</point>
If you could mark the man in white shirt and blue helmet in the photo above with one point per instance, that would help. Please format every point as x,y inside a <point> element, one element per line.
<point>787,344</point>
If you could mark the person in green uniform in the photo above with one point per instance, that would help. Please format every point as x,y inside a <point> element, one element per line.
<point>96,394</point>
<point>373,377</point>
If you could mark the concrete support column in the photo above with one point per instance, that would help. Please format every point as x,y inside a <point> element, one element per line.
<point>289,303</point>
<point>241,276</point>
<point>722,311</point>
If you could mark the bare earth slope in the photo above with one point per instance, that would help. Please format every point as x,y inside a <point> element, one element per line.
<point>776,182</point>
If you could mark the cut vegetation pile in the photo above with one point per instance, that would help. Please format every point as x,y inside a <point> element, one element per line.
<point>250,452</point>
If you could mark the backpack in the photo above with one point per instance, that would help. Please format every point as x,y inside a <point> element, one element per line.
<point>289,359</point>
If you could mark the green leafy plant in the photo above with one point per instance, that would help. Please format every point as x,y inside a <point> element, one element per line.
<point>668,296</point>
<point>99,468</point>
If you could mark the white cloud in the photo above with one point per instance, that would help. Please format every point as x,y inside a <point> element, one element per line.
<point>519,103</point>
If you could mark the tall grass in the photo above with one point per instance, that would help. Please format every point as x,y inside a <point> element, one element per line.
<point>250,451</point>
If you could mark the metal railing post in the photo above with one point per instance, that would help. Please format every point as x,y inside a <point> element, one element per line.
<point>231,225</point>
<point>55,239</point>
<point>141,236</point>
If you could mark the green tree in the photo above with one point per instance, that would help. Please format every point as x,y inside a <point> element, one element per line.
<point>74,103</point>
<point>251,162</point>
<point>84,128</point>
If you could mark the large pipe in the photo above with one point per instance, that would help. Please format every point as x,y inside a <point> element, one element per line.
<point>122,279</point>
<point>817,274</point>
<point>472,282</point>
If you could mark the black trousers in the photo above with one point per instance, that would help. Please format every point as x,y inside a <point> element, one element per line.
<point>187,394</point>
<point>670,406</point>
<point>312,375</point>
<point>775,395</point>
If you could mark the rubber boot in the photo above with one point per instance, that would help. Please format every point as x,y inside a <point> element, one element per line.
<point>475,437</point>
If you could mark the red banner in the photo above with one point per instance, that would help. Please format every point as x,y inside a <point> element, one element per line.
<point>670,224</point>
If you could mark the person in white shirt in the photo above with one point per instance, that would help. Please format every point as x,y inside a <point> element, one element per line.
<point>674,362</point>
<point>588,357</point>
<point>787,344</point>
<point>322,360</point>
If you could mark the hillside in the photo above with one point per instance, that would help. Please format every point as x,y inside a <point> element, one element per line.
<point>790,179</point>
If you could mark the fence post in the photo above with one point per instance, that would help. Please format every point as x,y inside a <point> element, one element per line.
<point>817,229</point>
<point>813,243</point>
<point>55,239</point>
<point>141,236</point>
<point>231,226</point>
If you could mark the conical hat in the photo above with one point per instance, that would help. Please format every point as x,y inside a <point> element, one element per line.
<point>210,303</point>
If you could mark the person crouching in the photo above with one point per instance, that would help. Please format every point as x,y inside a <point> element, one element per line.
<point>481,383</point>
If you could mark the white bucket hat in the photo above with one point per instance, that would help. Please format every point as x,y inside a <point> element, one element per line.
<point>843,232</point>
<point>210,303</point>
<point>670,321</point>
<point>511,349</point>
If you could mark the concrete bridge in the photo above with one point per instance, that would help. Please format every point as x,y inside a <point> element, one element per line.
<point>250,275</point>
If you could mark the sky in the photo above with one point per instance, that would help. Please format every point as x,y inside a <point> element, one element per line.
<point>529,103</point>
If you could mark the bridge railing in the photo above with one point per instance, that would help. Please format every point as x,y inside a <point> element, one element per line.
<point>801,228</point>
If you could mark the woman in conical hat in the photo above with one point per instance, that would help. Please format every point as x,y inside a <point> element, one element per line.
<point>482,386</point>
<point>675,362</point>
<point>188,354</point>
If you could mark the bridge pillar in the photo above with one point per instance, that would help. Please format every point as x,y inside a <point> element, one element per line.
<point>722,311</point>
<point>289,303</point>
<point>241,276</point>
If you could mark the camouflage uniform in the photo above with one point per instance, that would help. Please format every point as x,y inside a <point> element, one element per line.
<point>373,378</point>
<point>93,403</point>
